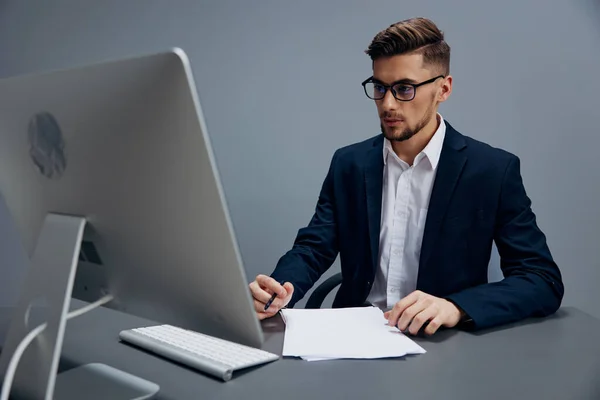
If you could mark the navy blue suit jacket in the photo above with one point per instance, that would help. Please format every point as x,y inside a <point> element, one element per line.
<point>477,198</point>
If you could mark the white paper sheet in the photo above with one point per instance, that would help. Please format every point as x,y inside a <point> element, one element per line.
<point>327,334</point>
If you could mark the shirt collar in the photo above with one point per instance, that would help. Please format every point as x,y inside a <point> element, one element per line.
<point>432,151</point>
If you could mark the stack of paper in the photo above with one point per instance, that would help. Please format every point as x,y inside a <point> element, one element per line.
<point>327,334</point>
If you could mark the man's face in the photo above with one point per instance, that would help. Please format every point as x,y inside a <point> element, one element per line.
<point>401,120</point>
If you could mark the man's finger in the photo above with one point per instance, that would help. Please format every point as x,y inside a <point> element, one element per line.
<point>272,310</point>
<point>433,326</point>
<point>258,306</point>
<point>399,307</point>
<point>421,318</point>
<point>289,288</point>
<point>409,313</point>
<point>259,293</point>
<point>266,282</point>
<point>264,315</point>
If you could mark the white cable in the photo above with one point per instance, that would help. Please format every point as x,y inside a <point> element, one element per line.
<point>14,361</point>
<point>90,307</point>
<point>16,357</point>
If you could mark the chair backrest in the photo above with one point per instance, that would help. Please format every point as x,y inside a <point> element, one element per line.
<point>318,295</point>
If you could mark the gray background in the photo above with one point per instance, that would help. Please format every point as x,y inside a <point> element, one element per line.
<point>279,83</point>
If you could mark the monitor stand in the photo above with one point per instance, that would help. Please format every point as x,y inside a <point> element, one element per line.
<point>50,281</point>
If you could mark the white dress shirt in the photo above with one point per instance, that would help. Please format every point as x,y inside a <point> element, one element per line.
<point>405,200</point>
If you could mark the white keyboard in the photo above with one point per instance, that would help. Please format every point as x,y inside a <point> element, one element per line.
<point>208,354</point>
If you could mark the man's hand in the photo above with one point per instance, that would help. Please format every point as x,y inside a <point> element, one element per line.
<point>263,288</point>
<point>418,308</point>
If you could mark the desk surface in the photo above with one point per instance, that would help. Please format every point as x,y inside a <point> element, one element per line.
<point>554,358</point>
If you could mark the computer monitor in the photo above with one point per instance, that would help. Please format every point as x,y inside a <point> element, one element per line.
<point>124,145</point>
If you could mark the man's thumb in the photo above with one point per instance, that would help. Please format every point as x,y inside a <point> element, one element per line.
<point>289,288</point>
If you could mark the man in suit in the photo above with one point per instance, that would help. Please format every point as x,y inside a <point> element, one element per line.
<point>413,211</point>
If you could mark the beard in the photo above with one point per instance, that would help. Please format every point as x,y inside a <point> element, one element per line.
<point>397,135</point>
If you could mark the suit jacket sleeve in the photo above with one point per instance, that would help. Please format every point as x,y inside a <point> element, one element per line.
<point>532,284</point>
<point>316,246</point>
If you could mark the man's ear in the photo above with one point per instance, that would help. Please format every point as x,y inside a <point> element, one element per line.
<point>446,89</point>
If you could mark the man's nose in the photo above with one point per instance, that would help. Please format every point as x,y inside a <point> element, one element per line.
<point>389,102</point>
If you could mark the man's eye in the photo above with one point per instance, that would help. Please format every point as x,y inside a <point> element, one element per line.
<point>403,89</point>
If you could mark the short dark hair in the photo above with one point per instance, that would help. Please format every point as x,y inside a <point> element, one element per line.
<point>414,35</point>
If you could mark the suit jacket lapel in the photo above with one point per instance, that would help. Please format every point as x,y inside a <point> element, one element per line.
<point>451,164</point>
<point>374,188</point>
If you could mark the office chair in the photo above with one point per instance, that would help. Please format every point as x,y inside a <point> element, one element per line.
<point>318,295</point>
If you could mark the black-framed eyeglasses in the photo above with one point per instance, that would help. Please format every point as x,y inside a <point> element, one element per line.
<point>401,90</point>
